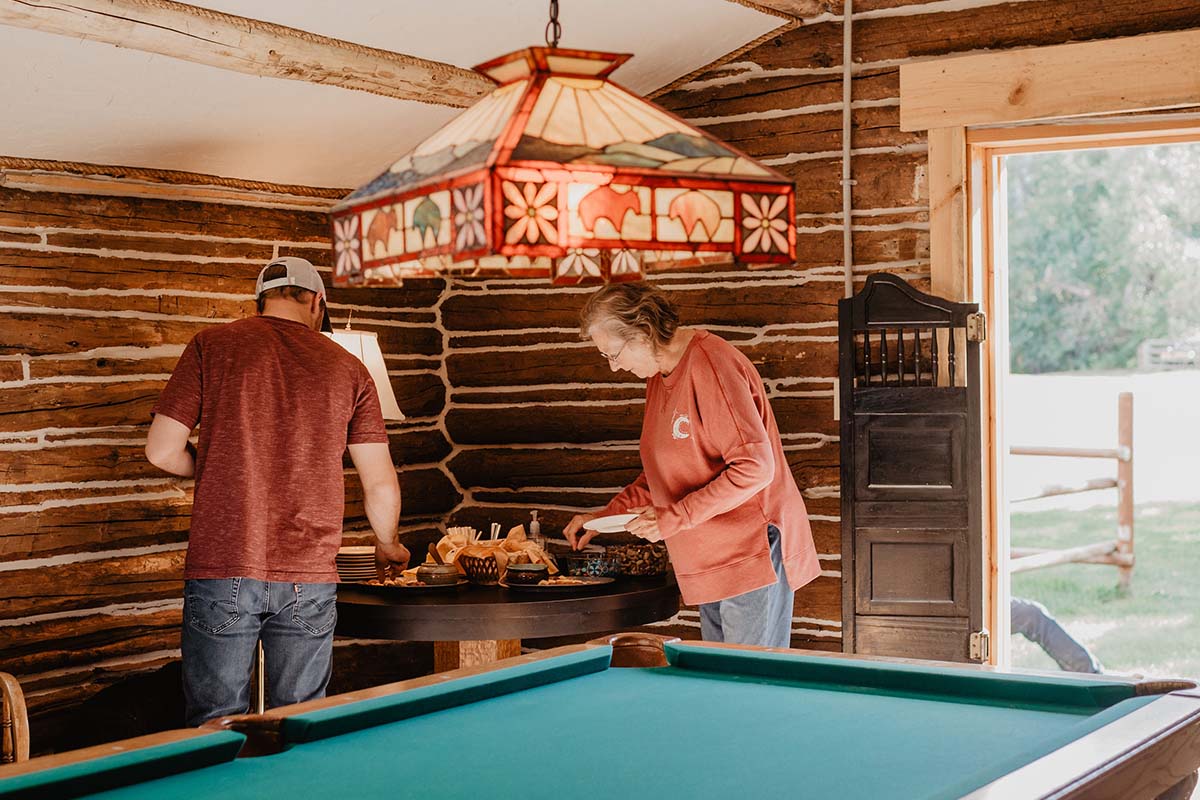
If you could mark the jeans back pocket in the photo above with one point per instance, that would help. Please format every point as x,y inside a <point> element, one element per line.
<point>315,609</point>
<point>211,605</point>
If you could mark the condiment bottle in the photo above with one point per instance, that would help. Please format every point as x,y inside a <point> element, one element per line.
<point>535,529</point>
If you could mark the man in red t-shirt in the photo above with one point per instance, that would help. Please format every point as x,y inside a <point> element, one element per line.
<point>278,404</point>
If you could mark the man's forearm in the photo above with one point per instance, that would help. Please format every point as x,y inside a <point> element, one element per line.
<point>382,504</point>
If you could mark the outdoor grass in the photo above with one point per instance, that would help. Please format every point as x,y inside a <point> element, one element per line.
<point>1154,629</point>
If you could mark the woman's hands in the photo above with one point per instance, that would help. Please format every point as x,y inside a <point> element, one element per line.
<point>646,524</point>
<point>574,526</point>
<point>644,527</point>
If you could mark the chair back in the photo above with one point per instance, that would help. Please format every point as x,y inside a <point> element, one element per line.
<point>14,721</point>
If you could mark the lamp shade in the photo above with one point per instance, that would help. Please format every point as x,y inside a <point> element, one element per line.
<point>364,346</point>
<point>562,173</point>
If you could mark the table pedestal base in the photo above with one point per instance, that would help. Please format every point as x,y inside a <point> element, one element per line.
<point>472,653</point>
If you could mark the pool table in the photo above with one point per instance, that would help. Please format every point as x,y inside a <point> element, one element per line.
<point>638,716</point>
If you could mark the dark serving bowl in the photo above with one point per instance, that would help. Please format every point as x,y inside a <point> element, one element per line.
<point>526,574</point>
<point>437,574</point>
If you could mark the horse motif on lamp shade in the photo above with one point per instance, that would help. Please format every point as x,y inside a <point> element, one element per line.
<point>561,173</point>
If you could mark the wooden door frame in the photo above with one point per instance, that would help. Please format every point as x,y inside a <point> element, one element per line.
<point>967,142</point>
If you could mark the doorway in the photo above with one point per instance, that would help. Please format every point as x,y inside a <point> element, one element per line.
<point>1085,252</point>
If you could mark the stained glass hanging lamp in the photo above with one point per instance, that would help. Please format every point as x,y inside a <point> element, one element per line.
<point>560,173</point>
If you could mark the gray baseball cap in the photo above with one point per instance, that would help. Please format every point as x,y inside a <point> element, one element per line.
<point>301,273</point>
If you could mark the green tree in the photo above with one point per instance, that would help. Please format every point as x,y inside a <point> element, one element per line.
<point>1103,253</point>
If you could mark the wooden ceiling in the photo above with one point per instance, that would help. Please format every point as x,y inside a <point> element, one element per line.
<point>154,83</point>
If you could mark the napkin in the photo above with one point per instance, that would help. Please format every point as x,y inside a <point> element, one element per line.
<point>514,548</point>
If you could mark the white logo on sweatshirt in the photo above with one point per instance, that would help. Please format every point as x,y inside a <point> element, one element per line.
<point>681,426</point>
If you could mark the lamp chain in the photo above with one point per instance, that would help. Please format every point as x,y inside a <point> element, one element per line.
<point>553,29</point>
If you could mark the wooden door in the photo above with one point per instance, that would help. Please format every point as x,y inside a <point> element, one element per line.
<point>912,536</point>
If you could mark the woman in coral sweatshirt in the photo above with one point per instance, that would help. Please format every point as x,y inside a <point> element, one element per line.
<point>715,485</point>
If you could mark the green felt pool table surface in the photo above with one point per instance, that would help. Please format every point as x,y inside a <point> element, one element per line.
<point>714,723</point>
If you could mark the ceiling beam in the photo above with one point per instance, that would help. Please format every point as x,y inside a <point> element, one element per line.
<point>788,9</point>
<point>251,46</point>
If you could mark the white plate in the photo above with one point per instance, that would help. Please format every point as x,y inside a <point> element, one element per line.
<point>613,524</point>
<point>356,549</point>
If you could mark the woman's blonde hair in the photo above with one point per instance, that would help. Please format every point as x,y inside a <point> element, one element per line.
<point>630,308</point>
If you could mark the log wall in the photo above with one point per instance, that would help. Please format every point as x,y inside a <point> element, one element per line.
<point>101,287</point>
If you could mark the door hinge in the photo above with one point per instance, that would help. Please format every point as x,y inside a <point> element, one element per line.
<point>981,645</point>
<point>977,327</point>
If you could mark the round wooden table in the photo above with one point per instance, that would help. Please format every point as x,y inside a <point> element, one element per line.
<point>478,624</point>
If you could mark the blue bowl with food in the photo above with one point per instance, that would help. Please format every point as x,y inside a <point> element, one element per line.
<point>589,565</point>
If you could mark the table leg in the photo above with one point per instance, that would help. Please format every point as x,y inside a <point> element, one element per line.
<point>258,681</point>
<point>1182,790</point>
<point>471,653</point>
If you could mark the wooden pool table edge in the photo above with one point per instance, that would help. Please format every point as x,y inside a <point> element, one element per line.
<point>1129,772</point>
<point>101,751</point>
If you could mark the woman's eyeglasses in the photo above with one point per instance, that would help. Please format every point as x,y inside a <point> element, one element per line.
<point>613,358</point>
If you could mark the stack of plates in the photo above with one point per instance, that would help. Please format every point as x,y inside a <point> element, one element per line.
<point>356,563</point>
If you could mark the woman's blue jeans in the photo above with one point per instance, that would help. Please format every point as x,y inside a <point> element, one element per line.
<point>762,617</point>
<point>223,620</point>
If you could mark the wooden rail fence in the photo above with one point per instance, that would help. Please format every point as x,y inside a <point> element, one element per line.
<point>1118,553</point>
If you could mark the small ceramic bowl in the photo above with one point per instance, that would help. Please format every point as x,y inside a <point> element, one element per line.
<point>526,574</point>
<point>437,574</point>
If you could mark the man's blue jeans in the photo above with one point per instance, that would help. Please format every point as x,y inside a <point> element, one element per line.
<point>224,618</point>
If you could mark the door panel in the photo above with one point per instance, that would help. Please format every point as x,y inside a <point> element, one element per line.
<point>940,639</point>
<point>909,456</point>
<point>912,548</point>
<point>914,572</point>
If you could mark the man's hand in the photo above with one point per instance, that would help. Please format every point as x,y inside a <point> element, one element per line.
<point>574,526</point>
<point>646,524</point>
<point>390,556</point>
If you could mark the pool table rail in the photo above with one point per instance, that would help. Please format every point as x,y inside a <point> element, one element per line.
<point>1141,686</point>
<point>264,732</point>
<point>79,773</point>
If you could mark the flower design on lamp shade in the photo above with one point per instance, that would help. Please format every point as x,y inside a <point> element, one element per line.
<point>625,264</point>
<point>764,227</point>
<point>580,264</point>
<point>468,217</point>
<point>345,246</point>
<point>533,211</point>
